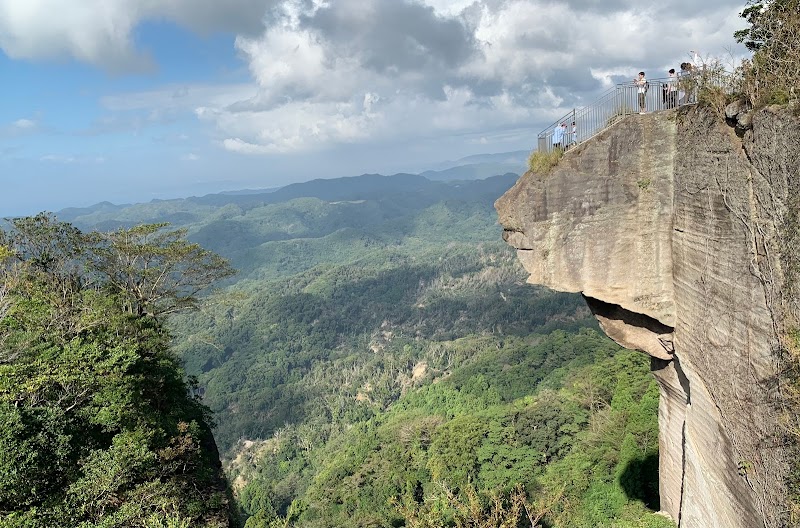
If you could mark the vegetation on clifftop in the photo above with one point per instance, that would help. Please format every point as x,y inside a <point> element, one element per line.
<point>543,162</point>
<point>97,428</point>
<point>773,77</point>
<point>773,35</point>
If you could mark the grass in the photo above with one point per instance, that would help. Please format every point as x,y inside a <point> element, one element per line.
<point>543,162</point>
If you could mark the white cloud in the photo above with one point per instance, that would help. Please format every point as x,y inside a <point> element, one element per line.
<point>449,7</point>
<point>329,77</point>
<point>100,32</point>
<point>295,126</point>
<point>94,31</point>
<point>20,127</point>
<point>24,124</point>
<point>328,72</point>
<point>70,160</point>
<point>178,97</point>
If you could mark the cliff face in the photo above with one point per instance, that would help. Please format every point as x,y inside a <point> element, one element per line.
<point>669,225</point>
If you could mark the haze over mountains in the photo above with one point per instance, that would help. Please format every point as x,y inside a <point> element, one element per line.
<point>469,168</point>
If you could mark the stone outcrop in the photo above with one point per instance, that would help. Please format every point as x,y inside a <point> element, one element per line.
<point>669,225</point>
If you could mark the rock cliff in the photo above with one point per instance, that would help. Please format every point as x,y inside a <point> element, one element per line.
<point>669,224</point>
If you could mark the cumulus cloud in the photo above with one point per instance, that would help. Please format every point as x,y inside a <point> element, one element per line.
<point>328,72</point>
<point>93,31</point>
<point>99,32</point>
<point>347,71</point>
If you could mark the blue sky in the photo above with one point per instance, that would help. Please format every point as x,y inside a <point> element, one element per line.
<point>130,100</point>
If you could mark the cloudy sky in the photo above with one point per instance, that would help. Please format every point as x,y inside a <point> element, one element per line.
<point>129,100</point>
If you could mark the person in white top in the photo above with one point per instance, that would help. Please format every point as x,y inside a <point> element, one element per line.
<point>641,89</point>
<point>558,135</point>
<point>672,89</point>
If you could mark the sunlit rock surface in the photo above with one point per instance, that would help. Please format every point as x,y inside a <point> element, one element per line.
<point>669,225</point>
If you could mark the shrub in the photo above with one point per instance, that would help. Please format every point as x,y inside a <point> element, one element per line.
<point>543,162</point>
<point>773,75</point>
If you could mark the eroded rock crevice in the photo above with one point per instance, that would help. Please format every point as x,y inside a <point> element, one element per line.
<point>633,330</point>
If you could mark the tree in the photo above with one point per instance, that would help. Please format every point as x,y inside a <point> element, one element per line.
<point>773,75</point>
<point>473,509</point>
<point>41,277</point>
<point>155,268</point>
<point>97,427</point>
<point>45,243</point>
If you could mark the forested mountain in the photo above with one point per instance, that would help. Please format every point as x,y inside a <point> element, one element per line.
<point>379,361</point>
<point>97,427</point>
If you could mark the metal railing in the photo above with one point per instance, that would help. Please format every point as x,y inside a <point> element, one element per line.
<point>618,102</point>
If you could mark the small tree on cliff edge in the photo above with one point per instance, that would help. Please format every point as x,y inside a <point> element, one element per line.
<point>156,269</point>
<point>773,75</point>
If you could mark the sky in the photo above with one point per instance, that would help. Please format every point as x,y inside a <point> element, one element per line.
<point>133,100</point>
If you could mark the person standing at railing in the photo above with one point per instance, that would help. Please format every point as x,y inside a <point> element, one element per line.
<point>641,89</point>
<point>558,135</point>
<point>672,89</point>
<point>688,83</point>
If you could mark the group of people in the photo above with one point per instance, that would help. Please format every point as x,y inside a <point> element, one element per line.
<point>562,139</point>
<point>671,92</point>
<point>674,93</point>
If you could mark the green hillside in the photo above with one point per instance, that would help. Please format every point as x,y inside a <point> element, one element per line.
<point>379,361</point>
<point>97,425</point>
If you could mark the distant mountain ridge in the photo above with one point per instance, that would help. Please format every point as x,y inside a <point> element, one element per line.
<point>514,158</point>
<point>363,187</point>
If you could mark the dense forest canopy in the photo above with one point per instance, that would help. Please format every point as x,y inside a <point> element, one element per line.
<point>96,424</point>
<point>379,360</point>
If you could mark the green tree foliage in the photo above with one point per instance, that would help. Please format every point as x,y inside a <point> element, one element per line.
<point>381,362</point>
<point>303,348</point>
<point>472,509</point>
<point>581,441</point>
<point>157,269</point>
<point>96,425</point>
<point>773,75</point>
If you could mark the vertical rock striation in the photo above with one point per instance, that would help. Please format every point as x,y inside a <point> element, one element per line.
<point>668,224</point>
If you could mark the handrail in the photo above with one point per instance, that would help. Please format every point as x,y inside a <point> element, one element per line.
<point>619,102</point>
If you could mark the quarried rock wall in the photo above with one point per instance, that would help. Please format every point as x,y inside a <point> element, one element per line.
<point>669,225</point>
